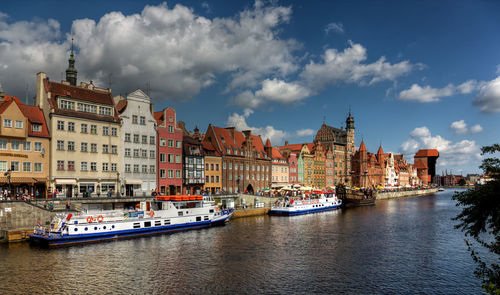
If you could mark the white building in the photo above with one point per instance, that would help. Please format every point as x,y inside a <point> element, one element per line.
<point>139,143</point>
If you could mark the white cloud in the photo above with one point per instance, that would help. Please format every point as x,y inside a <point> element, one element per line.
<point>335,27</point>
<point>275,135</point>
<point>281,91</point>
<point>468,86</point>
<point>476,129</point>
<point>349,67</point>
<point>488,99</point>
<point>450,154</point>
<point>426,93</point>
<point>459,127</point>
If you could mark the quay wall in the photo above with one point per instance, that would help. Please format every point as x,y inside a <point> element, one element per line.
<point>402,194</point>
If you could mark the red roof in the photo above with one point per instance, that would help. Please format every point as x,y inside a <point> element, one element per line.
<point>362,147</point>
<point>292,147</point>
<point>427,153</point>
<point>225,140</point>
<point>276,154</point>
<point>121,106</point>
<point>33,113</point>
<point>380,151</point>
<point>209,149</point>
<point>268,143</point>
<point>96,96</point>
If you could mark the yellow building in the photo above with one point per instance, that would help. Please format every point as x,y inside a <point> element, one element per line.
<point>213,169</point>
<point>24,146</point>
<point>86,143</point>
<point>308,159</point>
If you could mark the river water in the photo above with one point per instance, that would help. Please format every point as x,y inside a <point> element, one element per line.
<point>399,246</point>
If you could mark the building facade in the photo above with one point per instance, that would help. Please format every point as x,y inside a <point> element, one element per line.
<point>319,175</point>
<point>329,177</point>
<point>24,149</point>
<point>279,168</point>
<point>193,163</point>
<point>138,163</point>
<point>292,162</point>
<point>85,149</point>
<point>169,151</point>
<point>246,167</point>
<point>425,163</point>
<point>213,169</point>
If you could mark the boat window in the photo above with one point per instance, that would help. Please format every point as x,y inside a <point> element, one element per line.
<point>198,218</point>
<point>76,229</point>
<point>76,222</point>
<point>167,221</point>
<point>147,224</point>
<point>86,229</point>
<point>112,226</point>
<point>211,211</point>
<point>206,217</point>
<point>95,227</point>
<point>157,222</point>
<point>137,225</point>
<point>181,213</point>
<point>104,227</point>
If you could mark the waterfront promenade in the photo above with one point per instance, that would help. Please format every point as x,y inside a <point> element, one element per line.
<point>18,217</point>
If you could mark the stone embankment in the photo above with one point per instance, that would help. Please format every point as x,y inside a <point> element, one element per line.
<point>403,194</point>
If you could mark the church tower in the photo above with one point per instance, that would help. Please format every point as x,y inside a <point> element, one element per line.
<point>350,146</point>
<point>71,70</point>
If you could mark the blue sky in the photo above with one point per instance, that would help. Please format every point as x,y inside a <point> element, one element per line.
<point>422,74</point>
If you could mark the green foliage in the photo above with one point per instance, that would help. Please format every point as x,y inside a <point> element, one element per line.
<point>480,219</point>
<point>462,182</point>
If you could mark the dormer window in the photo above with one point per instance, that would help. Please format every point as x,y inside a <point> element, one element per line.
<point>228,151</point>
<point>36,127</point>
<point>106,111</point>
<point>67,105</point>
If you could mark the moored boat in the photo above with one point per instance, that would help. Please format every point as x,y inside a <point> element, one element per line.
<point>165,214</point>
<point>356,198</point>
<point>317,201</point>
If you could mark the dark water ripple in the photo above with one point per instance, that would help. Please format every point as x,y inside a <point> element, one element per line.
<point>404,246</point>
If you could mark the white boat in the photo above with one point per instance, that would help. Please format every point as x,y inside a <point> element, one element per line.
<point>310,203</point>
<point>165,214</point>
<point>440,189</point>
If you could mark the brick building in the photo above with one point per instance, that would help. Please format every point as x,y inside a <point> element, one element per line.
<point>368,168</point>
<point>425,163</point>
<point>246,165</point>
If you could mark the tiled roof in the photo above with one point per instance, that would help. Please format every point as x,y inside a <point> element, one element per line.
<point>226,140</point>
<point>77,92</point>
<point>380,151</point>
<point>362,147</point>
<point>33,113</point>
<point>121,106</point>
<point>293,147</point>
<point>5,104</point>
<point>276,154</point>
<point>427,153</point>
<point>158,117</point>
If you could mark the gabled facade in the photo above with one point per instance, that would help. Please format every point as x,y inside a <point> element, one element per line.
<point>138,163</point>
<point>319,175</point>
<point>213,169</point>
<point>279,168</point>
<point>193,163</point>
<point>329,177</point>
<point>308,160</point>
<point>169,152</point>
<point>86,144</point>
<point>246,167</point>
<point>292,162</point>
<point>24,149</point>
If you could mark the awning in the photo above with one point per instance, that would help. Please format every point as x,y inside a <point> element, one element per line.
<point>3,180</point>
<point>133,181</point>
<point>66,181</point>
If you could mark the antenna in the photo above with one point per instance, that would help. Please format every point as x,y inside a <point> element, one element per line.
<point>148,87</point>
<point>110,81</point>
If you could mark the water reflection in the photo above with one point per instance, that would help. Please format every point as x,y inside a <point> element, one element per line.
<point>402,246</point>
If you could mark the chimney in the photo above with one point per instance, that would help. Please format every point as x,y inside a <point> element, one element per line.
<point>40,90</point>
<point>248,134</point>
<point>286,142</point>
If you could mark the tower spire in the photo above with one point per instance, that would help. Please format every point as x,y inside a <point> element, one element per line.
<point>71,71</point>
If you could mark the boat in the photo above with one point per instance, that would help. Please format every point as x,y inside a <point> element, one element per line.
<point>165,214</point>
<point>353,198</point>
<point>441,189</point>
<point>317,201</point>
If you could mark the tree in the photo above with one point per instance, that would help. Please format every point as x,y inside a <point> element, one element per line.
<point>462,182</point>
<point>480,219</point>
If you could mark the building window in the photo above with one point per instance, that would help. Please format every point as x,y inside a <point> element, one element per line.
<point>60,125</point>
<point>136,153</point>
<point>71,126</point>
<point>105,111</point>
<point>178,174</point>
<point>26,166</point>
<point>105,148</point>
<point>178,159</point>
<point>163,142</point>
<point>207,179</point>
<point>178,144</point>
<point>170,158</point>
<point>144,153</point>
<point>170,173</point>
<point>104,166</point>
<point>93,129</point>
<point>114,131</point>
<point>114,167</point>
<point>7,123</point>
<point>83,128</point>
<point>212,178</point>
<point>27,146</point>
<point>66,104</point>
<point>38,146</point>
<point>71,165</point>
<point>143,120</point>
<point>36,127</point>
<point>127,167</point>
<point>170,143</point>
<point>134,119</point>
<point>71,145</point>
<point>105,130</point>
<point>136,138</point>
<point>38,167</point>
<point>162,173</point>
<point>162,157</point>
<point>170,129</point>
<point>217,180</point>
<point>152,169</point>
<point>224,165</point>
<point>93,166</point>
<point>127,152</point>
<point>127,137</point>
<point>83,166</point>
<point>60,145</point>
<point>151,140</point>
<point>152,154</point>
<point>136,168</point>
<point>93,147</point>
<point>60,165</point>
<point>19,124</point>
<point>114,149</point>
<point>144,168</point>
<point>145,139</point>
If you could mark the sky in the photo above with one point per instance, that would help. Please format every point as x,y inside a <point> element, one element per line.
<point>414,74</point>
